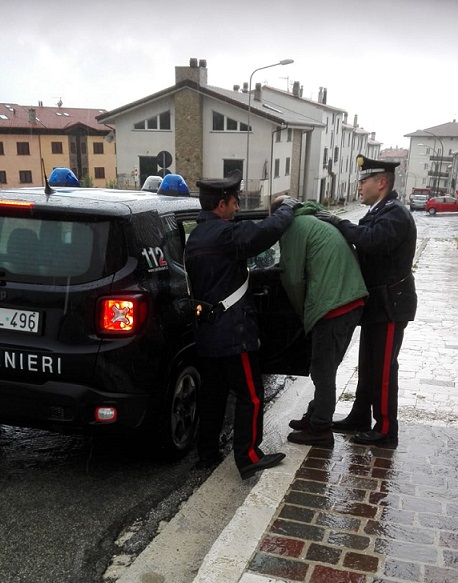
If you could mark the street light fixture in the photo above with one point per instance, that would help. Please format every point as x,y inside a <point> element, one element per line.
<point>283,62</point>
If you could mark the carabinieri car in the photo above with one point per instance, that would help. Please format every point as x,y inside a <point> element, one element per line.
<point>95,318</point>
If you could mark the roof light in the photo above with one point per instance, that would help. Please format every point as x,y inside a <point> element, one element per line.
<point>16,203</point>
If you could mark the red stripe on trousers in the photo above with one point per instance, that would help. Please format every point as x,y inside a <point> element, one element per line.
<point>386,378</point>
<point>254,399</point>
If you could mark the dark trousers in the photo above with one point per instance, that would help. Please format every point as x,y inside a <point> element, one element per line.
<point>330,340</point>
<point>241,375</point>
<point>377,389</point>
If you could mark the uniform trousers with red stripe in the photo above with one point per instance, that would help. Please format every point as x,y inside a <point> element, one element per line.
<point>240,374</point>
<point>377,388</point>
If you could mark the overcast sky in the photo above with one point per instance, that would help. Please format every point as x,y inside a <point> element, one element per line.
<point>394,63</point>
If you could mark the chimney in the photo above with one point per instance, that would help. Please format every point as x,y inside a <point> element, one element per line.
<point>40,104</point>
<point>296,89</point>
<point>372,135</point>
<point>325,95</point>
<point>345,117</point>
<point>257,92</point>
<point>355,121</point>
<point>196,72</point>
<point>32,115</point>
<point>236,88</point>
<point>320,95</point>
<point>245,87</point>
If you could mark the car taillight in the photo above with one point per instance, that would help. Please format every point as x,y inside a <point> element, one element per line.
<point>121,315</point>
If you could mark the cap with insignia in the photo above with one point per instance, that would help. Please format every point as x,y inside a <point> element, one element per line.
<point>221,186</point>
<point>368,167</point>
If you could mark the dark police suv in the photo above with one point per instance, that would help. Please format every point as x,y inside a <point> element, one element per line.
<point>95,318</point>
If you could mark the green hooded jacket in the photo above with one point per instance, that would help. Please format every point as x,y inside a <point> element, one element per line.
<point>320,271</point>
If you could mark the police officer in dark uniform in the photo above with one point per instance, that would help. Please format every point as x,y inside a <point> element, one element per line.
<point>385,240</point>
<point>226,334</point>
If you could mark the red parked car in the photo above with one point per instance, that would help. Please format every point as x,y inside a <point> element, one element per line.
<point>442,204</point>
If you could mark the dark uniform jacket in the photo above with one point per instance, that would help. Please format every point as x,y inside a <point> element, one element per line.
<point>216,262</point>
<point>385,240</point>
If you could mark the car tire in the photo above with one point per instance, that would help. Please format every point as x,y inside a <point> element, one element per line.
<point>179,420</point>
<point>167,433</point>
<point>432,211</point>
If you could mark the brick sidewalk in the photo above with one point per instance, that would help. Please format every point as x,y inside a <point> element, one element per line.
<point>357,514</point>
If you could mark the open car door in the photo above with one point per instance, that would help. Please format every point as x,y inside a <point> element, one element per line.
<point>284,348</point>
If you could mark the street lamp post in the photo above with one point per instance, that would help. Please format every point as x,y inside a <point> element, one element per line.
<point>283,62</point>
<point>406,177</point>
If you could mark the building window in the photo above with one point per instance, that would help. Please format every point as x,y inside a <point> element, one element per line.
<point>290,135</point>
<point>98,147</point>
<point>25,176</point>
<point>278,134</point>
<point>56,147</point>
<point>288,166</point>
<point>2,152</point>
<point>325,157</point>
<point>83,148</point>
<point>164,120</point>
<point>161,121</point>
<point>99,172</point>
<point>23,149</point>
<point>222,123</point>
<point>151,123</point>
<point>336,154</point>
<point>218,122</point>
<point>2,177</point>
<point>277,168</point>
<point>232,125</point>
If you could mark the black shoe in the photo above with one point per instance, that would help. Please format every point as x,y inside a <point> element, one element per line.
<point>310,436</point>
<point>299,424</point>
<point>350,425</point>
<point>209,462</point>
<point>267,461</point>
<point>374,438</point>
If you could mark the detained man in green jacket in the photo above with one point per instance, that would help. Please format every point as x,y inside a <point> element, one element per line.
<point>323,281</point>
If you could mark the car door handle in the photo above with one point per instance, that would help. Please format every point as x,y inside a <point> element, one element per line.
<point>263,292</point>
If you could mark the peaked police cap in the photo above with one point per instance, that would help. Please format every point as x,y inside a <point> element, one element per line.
<point>221,186</point>
<point>367,167</point>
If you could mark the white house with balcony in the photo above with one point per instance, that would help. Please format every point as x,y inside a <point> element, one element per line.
<point>431,159</point>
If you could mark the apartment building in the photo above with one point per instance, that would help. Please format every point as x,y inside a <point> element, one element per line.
<point>431,158</point>
<point>58,136</point>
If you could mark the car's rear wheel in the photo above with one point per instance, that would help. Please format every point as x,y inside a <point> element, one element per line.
<point>170,435</point>
<point>178,425</point>
<point>432,211</point>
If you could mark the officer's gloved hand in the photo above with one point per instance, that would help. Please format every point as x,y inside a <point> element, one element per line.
<point>291,202</point>
<point>328,217</point>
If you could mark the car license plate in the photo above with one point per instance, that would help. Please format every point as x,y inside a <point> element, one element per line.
<point>19,320</point>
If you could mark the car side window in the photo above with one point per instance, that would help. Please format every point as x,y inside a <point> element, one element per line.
<point>176,234</point>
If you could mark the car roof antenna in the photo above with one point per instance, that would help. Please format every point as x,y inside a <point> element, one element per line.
<point>48,189</point>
